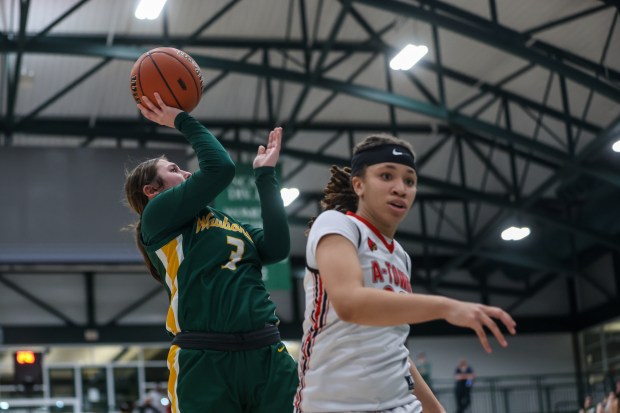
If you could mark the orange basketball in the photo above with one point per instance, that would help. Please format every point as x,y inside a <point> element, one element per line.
<point>170,72</point>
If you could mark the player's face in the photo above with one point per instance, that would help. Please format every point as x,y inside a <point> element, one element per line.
<point>171,174</point>
<point>386,194</point>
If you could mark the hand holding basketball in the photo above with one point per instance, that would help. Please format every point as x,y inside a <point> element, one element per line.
<point>160,112</point>
<point>170,72</point>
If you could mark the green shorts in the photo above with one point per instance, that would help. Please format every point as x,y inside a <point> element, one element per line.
<point>253,381</point>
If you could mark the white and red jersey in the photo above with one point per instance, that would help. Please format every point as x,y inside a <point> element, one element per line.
<point>345,366</point>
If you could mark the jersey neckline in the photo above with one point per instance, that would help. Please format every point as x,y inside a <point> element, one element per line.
<point>388,245</point>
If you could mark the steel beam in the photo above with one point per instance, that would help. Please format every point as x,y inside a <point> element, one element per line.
<point>503,38</point>
<point>77,45</point>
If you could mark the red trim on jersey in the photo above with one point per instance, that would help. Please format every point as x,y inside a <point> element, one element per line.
<point>319,319</point>
<point>390,246</point>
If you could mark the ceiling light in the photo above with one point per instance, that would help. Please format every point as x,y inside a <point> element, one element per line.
<point>289,195</point>
<point>616,146</point>
<point>149,9</point>
<point>409,56</point>
<point>515,234</point>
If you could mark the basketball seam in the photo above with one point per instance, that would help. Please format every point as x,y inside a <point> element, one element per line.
<point>165,81</point>
<point>198,89</point>
<point>139,79</point>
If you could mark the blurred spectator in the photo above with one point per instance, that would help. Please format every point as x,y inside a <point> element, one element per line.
<point>126,407</point>
<point>156,401</point>
<point>424,368</point>
<point>146,407</point>
<point>588,405</point>
<point>464,376</point>
<point>609,404</point>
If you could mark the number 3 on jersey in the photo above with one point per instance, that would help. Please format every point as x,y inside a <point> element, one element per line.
<point>236,254</point>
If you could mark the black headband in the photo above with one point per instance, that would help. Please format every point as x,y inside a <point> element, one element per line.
<point>383,153</point>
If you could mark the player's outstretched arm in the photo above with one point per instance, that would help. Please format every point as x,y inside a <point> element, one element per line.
<point>342,277</point>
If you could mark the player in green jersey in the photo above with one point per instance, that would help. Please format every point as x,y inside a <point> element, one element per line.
<point>226,354</point>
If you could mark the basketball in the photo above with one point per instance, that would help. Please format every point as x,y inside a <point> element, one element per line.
<point>170,72</point>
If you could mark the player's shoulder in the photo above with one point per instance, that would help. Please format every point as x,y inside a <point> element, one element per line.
<point>333,222</point>
<point>332,217</point>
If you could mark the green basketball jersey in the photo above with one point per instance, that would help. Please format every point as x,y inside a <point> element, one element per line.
<point>210,263</point>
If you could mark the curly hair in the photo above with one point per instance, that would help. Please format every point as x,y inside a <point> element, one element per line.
<point>339,193</point>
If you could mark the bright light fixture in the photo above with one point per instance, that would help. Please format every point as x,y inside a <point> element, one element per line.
<point>616,146</point>
<point>4,406</point>
<point>515,234</point>
<point>289,195</point>
<point>409,56</point>
<point>149,9</point>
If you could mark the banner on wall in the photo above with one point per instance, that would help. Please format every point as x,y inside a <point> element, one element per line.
<point>51,213</point>
<point>240,200</point>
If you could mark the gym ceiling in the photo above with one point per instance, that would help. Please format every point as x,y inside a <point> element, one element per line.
<point>512,113</point>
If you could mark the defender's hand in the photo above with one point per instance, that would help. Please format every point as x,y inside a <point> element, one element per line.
<point>269,156</point>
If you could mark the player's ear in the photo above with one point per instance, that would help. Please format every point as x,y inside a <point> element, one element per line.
<point>358,185</point>
<point>150,191</point>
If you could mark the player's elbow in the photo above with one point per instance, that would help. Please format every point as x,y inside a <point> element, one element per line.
<point>345,314</point>
<point>227,170</point>
<point>277,254</point>
<point>282,252</point>
<point>347,309</point>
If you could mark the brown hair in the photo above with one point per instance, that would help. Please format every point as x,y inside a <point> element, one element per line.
<point>339,193</point>
<point>143,174</point>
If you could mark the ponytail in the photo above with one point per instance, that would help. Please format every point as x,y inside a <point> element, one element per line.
<point>338,194</point>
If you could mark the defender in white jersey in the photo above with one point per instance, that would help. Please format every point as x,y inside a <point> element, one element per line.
<point>359,301</point>
<point>348,354</point>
